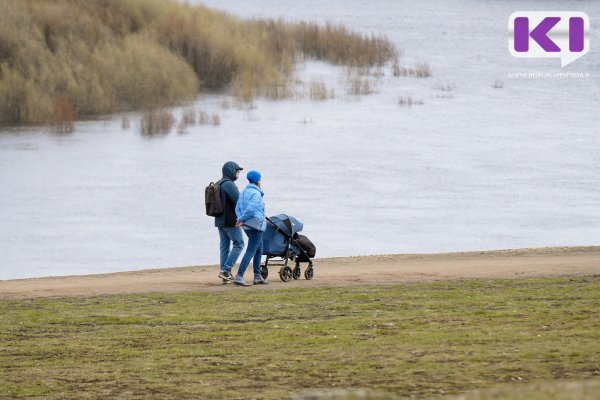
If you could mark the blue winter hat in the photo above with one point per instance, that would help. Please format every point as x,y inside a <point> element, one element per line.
<point>253,176</point>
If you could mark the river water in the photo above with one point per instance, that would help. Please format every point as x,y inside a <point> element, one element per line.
<point>486,162</point>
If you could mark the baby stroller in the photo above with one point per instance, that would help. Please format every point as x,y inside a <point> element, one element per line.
<point>281,240</point>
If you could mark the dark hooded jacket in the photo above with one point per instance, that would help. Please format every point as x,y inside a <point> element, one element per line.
<point>229,196</point>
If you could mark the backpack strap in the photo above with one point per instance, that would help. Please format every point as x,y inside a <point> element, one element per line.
<point>223,194</point>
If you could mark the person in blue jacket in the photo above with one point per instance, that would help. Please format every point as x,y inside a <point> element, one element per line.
<point>250,211</point>
<point>228,232</point>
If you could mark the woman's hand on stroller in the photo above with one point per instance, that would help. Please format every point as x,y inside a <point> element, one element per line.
<point>239,224</point>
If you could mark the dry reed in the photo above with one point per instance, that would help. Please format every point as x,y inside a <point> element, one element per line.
<point>318,91</point>
<point>63,119</point>
<point>157,121</point>
<point>418,71</point>
<point>358,85</point>
<point>125,123</point>
<point>202,118</point>
<point>188,116</point>
<point>110,55</point>
<point>409,101</point>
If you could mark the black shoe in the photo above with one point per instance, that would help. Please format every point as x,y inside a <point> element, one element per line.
<point>225,275</point>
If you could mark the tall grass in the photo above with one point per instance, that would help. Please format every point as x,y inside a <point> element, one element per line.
<point>156,121</point>
<point>63,116</point>
<point>111,55</point>
<point>358,85</point>
<point>318,91</point>
<point>419,71</point>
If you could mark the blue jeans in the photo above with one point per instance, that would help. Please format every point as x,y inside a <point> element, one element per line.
<point>253,252</point>
<point>230,255</point>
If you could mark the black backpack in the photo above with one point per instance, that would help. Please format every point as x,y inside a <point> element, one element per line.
<point>305,244</point>
<point>212,198</point>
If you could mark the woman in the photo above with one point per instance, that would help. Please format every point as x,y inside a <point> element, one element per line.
<point>250,212</point>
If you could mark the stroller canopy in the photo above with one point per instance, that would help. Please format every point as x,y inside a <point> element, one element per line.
<point>276,242</point>
<point>282,223</point>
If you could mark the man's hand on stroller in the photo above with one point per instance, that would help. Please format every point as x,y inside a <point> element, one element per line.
<point>239,224</point>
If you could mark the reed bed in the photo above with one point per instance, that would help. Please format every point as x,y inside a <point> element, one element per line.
<point>119,55</point>
<point>203,118</point>
<point>418,71</point>
<point>188,116</point>
<point>157,121</point>
<point>443,91</point>
<point>408,101</point>
<point>318,91</point>
<point>63,116</point>
<point>358,85</point>
<point>125,123</point>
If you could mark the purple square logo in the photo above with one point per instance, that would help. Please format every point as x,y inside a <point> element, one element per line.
<point>549,34</point>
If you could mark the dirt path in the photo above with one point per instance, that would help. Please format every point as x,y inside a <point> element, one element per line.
<point>346,271</point>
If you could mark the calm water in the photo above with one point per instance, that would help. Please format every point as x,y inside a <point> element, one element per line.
<point>474,167</point>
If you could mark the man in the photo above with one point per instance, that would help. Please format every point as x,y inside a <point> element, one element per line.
<point>225,222</point>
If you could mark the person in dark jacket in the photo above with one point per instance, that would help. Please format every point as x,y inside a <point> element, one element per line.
<point>228,232</point>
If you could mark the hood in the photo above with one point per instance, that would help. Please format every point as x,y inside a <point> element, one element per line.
<point>255,187</point>
<point>229,170</point>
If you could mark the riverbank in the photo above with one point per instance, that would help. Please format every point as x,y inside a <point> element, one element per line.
<point>329,272</point>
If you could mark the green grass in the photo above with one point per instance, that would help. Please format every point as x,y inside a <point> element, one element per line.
<point>414,340</point>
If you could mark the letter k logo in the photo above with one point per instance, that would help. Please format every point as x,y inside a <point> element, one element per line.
<point>539,34</point>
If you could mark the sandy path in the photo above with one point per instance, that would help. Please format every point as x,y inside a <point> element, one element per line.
<point>346,271</point>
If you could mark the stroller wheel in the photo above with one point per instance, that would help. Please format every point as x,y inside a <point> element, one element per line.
<point>296,273</point>
<point>308,274</point>
<point>264,272</point>
<point>285,273</point>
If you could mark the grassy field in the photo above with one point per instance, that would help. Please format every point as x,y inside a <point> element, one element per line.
<point>414,340</point>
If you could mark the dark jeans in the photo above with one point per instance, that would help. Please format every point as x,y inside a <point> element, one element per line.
<point>230,255</point>
<point>253,252</point>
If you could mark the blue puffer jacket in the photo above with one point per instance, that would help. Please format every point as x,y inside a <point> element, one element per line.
<point>250,208</point>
